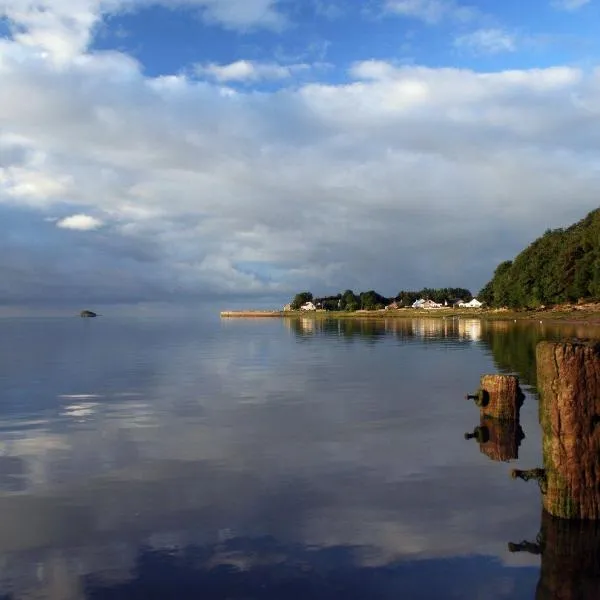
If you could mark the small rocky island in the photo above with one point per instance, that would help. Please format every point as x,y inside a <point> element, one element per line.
<point>87,314</point>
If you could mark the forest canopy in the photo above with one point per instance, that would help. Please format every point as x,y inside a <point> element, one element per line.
<point>563,265</point>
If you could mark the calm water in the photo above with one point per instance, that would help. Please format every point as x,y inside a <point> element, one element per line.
<point>155,458</point>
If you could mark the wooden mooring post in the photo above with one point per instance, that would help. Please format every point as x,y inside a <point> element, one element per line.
<point>499,397</point>
<point>568,375</point>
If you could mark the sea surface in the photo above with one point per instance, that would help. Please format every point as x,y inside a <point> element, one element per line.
<point>270,459</point>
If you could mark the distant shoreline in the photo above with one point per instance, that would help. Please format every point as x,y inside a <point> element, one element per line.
<point>584,313</point>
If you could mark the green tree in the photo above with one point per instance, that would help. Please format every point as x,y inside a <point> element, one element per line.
<point>371,300</point>
<point>350,301</point>
<point>300,299</point>
<point>560,266</point>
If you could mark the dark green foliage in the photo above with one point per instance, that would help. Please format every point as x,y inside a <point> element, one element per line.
<point>561,266</point>
<point>329,302</point>
<point>350,301</point>
<point>404,298</point>
<point>300,299</point>
<point>439,295</point>
<point>371,300</point>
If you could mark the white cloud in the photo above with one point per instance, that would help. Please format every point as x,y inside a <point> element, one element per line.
<point>249,71</point>
<point>239,14</point>
<point>570,5</point>
<point>373,69</point>
<point>487,41</point>
<point>32,184</point>
<point>80,223</point>
<point>210,192</point>
<point>62,29</point>
<point>431,11</point>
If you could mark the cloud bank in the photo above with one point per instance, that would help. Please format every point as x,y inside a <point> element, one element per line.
<point>399,177</point>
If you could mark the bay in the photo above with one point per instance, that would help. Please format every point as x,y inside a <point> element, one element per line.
<point>196,457</point>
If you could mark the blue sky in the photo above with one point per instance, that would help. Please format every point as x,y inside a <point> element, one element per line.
<point>488,36</point>
<point>246,149</point>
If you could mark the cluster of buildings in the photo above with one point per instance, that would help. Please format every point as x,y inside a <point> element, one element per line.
<point>421,303</point>
<point>307,306</point>
<point>428,304</point>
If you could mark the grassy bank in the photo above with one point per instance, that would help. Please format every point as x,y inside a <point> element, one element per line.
<point>588,313</point>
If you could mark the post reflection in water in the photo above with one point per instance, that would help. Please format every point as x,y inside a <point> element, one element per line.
<point>570,552</point>
<point>498,440</point>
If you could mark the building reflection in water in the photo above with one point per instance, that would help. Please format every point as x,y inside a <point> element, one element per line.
<point>307,325</point>
<point>570,552</point>
<point>427,327</point>
<point>470,329</point>
<point>439,327</point>
<point>510,343</point>
<point>498,439</point>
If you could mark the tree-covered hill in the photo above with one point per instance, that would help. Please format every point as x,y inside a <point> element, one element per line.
<point>561,266</point>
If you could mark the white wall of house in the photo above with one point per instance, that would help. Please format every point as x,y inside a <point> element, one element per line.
<point>308,306</point>
<point>472,304</point>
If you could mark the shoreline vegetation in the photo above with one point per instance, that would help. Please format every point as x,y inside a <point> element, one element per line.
<point>556,278</point>
<point>560,267</point>
<point>583,313</point>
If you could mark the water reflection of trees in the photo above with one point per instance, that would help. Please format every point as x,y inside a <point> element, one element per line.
<point>348,329</point>
<point>512,346</point>
<point>429,329</point>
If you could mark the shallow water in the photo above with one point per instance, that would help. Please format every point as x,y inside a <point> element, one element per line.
<point>173,458</point>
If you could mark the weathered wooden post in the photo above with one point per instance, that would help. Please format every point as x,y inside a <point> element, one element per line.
<point>499,396</point>
<point>570,558</point>
<point>498,440</point>
<point>568,375</point>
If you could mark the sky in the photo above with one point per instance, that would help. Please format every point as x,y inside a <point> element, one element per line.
<point>240,151</point>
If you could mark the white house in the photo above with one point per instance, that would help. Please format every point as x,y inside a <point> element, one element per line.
<point>472,304</point>
<point>308,306</point>
<point>422,303</point>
